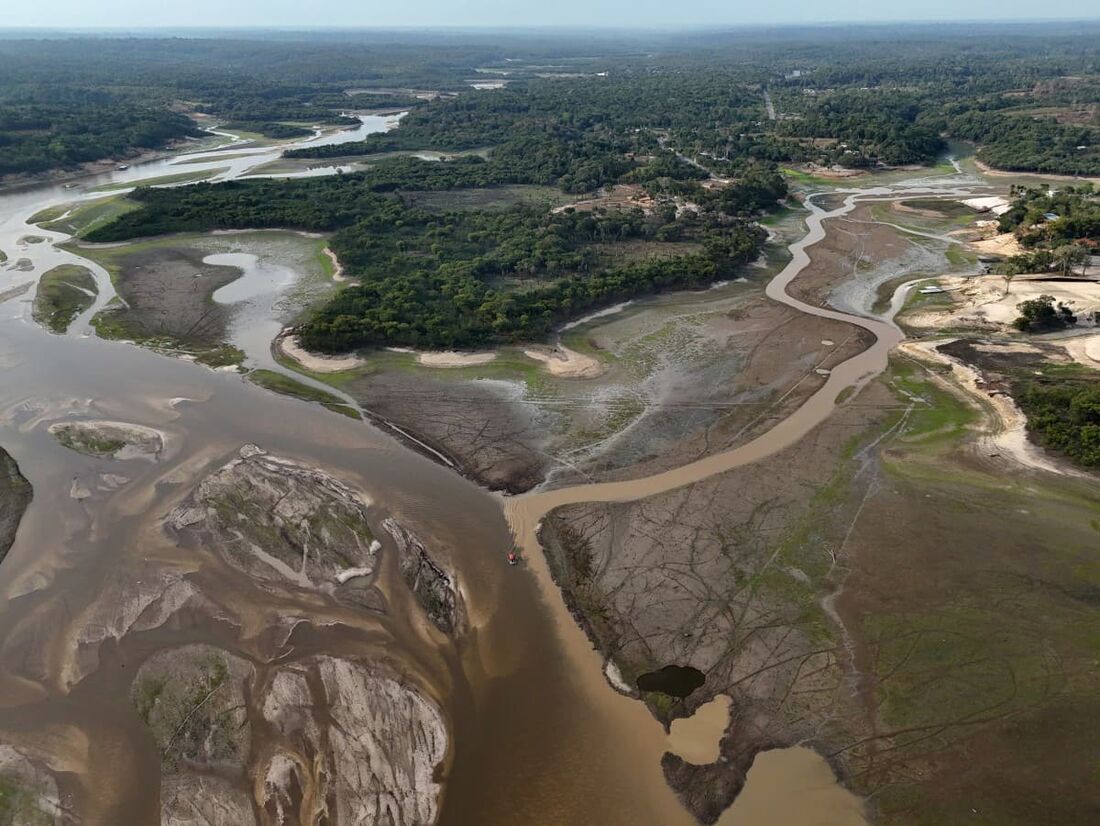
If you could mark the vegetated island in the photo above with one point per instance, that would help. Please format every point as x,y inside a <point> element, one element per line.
<point>469,278</point>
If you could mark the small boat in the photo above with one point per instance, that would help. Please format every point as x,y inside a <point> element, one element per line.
<point>122,167</point>
<point>513,557</point>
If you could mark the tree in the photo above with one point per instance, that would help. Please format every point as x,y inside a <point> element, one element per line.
<point>1041,314</point>
<point>1067,256</point>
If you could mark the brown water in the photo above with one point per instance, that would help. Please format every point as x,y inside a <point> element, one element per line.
<point>538,736</point>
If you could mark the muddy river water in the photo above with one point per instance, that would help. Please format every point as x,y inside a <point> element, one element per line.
<point>538,735</point>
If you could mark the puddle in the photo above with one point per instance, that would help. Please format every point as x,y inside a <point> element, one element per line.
<point>696,738</point>
<point>793,786</point>
<point>257,277</point>
<point>674,680</point>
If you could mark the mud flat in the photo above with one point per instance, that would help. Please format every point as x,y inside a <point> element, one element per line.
<point>289,345</point>
<point>351,740</point>
<point>565,363</point>
<point>116,440</point>
<point>222,298</point>
<point>15,495</point>
<point>260,512</point>
<point>165,295</point>
<point>63,293</point>
<point>650,567</point>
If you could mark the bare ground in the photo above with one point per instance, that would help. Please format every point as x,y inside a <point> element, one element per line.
<point>167,293</point>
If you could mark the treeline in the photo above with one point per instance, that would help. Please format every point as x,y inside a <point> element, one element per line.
<point>858,99</point>
<point>38,137</point>
<point>330,203</point>
<point>1044,218</point>
<point>1064,416</point>
<point>466,278</point>
<point>1025,143</point>
<point>269,129</point>
<point>868,128</point>
<point>451,307</point>
<point>1060,229</point>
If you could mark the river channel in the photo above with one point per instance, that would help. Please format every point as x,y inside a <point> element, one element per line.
<point>538,736</point>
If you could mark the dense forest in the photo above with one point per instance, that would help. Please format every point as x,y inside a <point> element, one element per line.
<point>1060,229</point>
<point>1063,415</point>
<point>35,137</point>
<point>874,95</point>
<point>469,278</point>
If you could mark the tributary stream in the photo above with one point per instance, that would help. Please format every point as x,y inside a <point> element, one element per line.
<point>538,736</point>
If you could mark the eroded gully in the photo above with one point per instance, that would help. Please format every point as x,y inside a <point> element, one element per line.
<point>538,735</point>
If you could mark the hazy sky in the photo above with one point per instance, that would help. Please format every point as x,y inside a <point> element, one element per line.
<point>648,13</point>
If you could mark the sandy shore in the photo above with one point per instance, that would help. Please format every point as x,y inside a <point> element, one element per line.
<point>290,346</point>
<point>337,267</point>
<point>1083,349</point>
<point>1002,244</point>
<point>565,363</point>
<point>1008,434</point>
<point>986,300</point>
<point>445,358</point>
<point>986,168</point>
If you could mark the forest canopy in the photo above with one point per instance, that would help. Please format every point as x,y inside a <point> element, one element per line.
<point>877,95</point>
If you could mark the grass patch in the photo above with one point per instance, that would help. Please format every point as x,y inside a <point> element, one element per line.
<point>960,257</point>
<point>109,325</point>
<point>86,217</point>
<point>177,178</point>
<point>88,443</point>
<point>949,209</point>
<point>938,417</point>
<point>287,386</point>
<point>63,293</point>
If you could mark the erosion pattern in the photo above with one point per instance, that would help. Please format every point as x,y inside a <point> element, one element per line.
<point>822,574</point>
<point>346,742</point>
<point>252,727</point>
<point>15,495</point>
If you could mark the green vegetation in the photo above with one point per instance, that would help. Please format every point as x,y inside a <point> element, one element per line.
<point>1060,228</point>
<point>69,130</point>
<point>280,383</point>
<point>467,278</point>
<point>1030,144</point>
<point>19,805</point>
<point>87,442</point>
<point>884,95</point>
<point>1040,315</point>
<point>177,178</point>
<point>85,218</point>
<point>1063,412</point>
<point>63,293</point>
<point>936,418</point>
<point>273,129</point>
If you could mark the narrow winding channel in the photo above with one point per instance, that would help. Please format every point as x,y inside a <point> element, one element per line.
<point>539,737</point>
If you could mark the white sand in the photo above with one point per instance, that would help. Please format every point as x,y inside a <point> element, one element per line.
<point>453,358</point>
<point>565,363</point>
<point>988,300</point>
<point>1083,349</point>
<point>1003,244</point>
<point>1008,434</point>
<point>290,346</point>
<point>337,267</point>
<point>995,204</point>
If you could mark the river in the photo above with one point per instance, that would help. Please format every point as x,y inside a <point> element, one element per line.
<point>538,735</point>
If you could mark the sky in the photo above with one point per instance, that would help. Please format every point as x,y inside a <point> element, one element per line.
<point>117,14</point>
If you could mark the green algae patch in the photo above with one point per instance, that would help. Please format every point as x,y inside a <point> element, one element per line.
<point>64,293</point>
<point>287,386</point>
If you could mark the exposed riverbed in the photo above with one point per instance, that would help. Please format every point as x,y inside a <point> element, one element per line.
<point>536,734</point>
